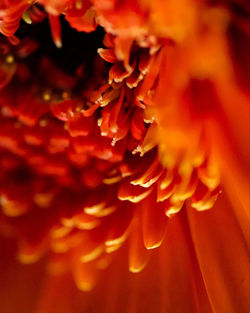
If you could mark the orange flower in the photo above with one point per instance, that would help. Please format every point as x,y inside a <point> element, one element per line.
<point>124,176</point>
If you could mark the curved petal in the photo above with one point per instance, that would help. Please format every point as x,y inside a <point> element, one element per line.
<point>223,257</point>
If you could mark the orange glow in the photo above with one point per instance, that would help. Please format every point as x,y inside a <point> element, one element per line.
<point>124,156</point>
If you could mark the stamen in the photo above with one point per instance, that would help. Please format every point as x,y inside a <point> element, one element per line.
<point>78,4</point>
<point>9,59</point>
<point>43,123</point>
<point>46,96</point>
<point>55,26</point>
<point>26,17</point>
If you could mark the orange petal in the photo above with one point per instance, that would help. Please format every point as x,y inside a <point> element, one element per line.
<point>150,176</point>
<point>154,222</point>
<point>132,193</point>
<point>55,27</point>
<point>223,257</point>
<point>107,54</point>
<point>138,254</point>
<point>119,228</point>
<point>85,275</point>
<point>181,283</point>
